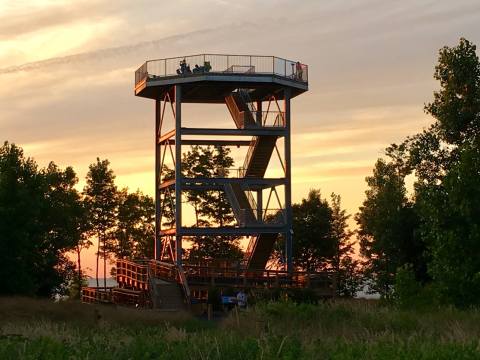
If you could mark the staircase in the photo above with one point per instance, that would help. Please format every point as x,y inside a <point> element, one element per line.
<point>240,110</point>
<point>259,153</point>
<point>255,165</point>
<point>167,295</point>
<point>261,248</point>
<point>242,209</point>
<point>168,286</point>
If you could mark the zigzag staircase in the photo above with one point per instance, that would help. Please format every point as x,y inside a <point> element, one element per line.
<point>260,151</point>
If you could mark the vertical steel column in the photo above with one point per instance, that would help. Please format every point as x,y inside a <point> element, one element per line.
<point>288,181</point>
<point>259,205</point>
<point>158,217</point>
<point>178,174</point>
<point>259,113</point>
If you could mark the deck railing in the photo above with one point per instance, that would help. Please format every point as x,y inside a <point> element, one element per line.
<point>225,64</point>
<point>132,281</point>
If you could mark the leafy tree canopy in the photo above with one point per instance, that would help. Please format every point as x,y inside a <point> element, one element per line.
<point>39,211</point>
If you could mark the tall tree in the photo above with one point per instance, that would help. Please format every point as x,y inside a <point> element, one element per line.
<point>67,215</point>
<point>345,266</point>
<point>449,207</point>
<point>101,201</point>
<point>441,221</point>
<point>387,223</point>
<point>134,231</point>
<point>37,224</point>
<point>312,232</point>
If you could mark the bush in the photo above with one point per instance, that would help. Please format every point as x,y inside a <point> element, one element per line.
<point>409,293</point>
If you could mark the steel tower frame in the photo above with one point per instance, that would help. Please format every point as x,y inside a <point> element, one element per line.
<point>219,85</point>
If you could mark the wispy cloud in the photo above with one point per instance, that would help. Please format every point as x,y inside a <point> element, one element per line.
<point>102,54</point>
<point>35,18</point>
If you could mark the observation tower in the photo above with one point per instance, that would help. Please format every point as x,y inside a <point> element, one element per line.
<point>257,91</point>
<point>254,95</point>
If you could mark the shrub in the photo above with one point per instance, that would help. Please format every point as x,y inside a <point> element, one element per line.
<point>409,293</point>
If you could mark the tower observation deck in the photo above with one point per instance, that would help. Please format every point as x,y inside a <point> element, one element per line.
<point>257,91</point>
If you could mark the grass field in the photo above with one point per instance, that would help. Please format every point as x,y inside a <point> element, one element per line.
<point>39,329</point>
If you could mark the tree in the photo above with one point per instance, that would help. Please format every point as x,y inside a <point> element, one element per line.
<point>101,200</point>
<point>37,224</point>
<point>387,223</point>
<point>312,233</point>
<point>443,213</point>
<point>134,231</point>
<point>456,107</point>
<point>315,242</point>
<point>212,208</point>
<point>449,207</point>
<point>83,243</point>
<point>67,215</point>
<point>346,268</point>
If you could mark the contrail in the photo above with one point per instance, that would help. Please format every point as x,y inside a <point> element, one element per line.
<point>99,54</point>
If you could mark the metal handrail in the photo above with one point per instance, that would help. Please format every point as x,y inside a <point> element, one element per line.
<point>249,154</point>
<point>251,245</point>
<point>252,202</point>
<point>222,63</point>
<point>246,97</point>
<point>172,272</point>
<point>183,281</point>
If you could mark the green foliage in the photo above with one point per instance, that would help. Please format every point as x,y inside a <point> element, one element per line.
<point>212,208</point>
<point>409,293</point>
<point>441,223</point>
<point>449,207</point>
<point>453,231</point>
<point>323,241</point>
<point>135,226</point>
<point>101,202</point>
<point>73,286</point>
<point>457,105</point>
<point>346,267</point>
<point>387,228</point>
<point>312,226</point>
<point>39,220</point>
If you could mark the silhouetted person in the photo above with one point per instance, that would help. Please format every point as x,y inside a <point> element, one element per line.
<point>299,69</point>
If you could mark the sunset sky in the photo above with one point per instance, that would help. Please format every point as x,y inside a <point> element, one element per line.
<point>67,72</point>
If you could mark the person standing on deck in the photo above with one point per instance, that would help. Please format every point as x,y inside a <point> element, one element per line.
<point>242,299</point>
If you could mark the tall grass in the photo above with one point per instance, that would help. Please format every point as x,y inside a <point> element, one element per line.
<point>39,329</point>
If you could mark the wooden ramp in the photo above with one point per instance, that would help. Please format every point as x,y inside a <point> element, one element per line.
<point>162,286</point>
<point>167,295</point>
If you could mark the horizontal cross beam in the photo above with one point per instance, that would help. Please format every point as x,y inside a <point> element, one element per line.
<point>213,142</point>
<point>218,183</point>
<point>235,132</point>
<point>225,230</point>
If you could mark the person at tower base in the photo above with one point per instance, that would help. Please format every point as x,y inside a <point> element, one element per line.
<point>242,299</point>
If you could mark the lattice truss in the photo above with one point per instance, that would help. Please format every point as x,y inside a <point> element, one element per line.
<point>245,193</point>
